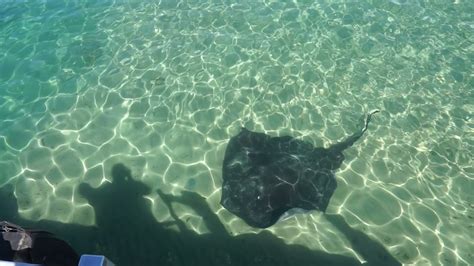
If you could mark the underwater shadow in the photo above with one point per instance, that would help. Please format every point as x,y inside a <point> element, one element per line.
<point>372,251</point>
<point>128,233</point>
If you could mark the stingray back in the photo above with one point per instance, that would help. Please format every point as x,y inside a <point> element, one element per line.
<point>264,177</point>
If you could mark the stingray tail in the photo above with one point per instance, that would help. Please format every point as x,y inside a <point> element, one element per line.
<point>352,139</point>
<point>368,118</point>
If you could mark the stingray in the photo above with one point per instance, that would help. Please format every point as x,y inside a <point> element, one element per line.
<point>266,179</point>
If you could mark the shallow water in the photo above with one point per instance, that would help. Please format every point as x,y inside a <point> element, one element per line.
<point>161,87</point>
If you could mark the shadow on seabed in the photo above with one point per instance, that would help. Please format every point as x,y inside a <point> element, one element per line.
<point>128,234</point>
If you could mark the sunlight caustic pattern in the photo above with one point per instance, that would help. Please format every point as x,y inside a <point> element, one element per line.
<point>162,87</point>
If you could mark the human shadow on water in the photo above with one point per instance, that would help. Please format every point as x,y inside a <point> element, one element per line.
<point>128,234</point>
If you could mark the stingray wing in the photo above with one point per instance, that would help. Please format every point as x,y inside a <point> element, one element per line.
<point>264,177</point>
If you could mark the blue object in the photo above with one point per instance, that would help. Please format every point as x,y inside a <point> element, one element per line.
<point>94,260</point>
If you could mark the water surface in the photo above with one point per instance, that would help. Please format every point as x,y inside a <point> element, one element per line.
<point>161,87</point>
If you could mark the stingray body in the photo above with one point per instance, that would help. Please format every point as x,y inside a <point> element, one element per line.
<point>265,177</point>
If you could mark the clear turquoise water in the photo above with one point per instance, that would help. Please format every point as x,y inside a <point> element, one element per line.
<point>162,86</point>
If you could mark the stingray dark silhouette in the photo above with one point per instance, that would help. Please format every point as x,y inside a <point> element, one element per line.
<point>266,177</point>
